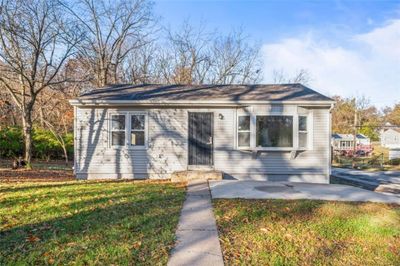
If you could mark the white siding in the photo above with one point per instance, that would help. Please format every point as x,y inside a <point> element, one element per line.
<point>390,138</point>
<point>168,145</point>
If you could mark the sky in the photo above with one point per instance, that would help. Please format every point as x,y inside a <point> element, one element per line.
<point>350,48</point>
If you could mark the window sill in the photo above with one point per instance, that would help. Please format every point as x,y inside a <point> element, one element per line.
<point>129,147</point>
<point>289,149</point>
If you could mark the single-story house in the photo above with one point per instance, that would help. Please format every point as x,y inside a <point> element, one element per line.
<point>390,137</point>
<point>346,141</point>
<point>267,132</point>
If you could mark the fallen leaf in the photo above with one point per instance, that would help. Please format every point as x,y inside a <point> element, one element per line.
<point>31,238</point>
<point>137,244</point>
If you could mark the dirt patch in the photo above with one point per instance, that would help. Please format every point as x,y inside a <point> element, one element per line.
<point>7,175</point>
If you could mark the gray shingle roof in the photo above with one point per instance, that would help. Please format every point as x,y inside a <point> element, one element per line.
<point>226,93</point>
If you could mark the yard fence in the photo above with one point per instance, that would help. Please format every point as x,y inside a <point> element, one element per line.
<point>375,161</point>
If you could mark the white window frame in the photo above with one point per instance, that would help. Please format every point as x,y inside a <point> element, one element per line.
<point>145,146</point>
<point>242,131</point>
<point>128,130</point>
<point>307,131</point>
<point>293,113</point>
<point>111,130</point>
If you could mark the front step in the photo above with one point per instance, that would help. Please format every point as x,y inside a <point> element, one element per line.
<point>181,176</point>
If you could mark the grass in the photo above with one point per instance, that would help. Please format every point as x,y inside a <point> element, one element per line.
<point>308,232</point>
<point>88,223</point>
<point>40,164</point>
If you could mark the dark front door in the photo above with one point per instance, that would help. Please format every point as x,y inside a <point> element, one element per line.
<point>201,138</point>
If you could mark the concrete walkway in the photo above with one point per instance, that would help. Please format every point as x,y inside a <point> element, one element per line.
<point>282,190</point>
<point>197,235</point>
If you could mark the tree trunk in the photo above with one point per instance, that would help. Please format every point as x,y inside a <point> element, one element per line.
<point>65,154</point>
<point>27,131</point>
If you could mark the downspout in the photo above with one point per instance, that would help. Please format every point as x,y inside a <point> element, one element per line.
<point>329,141</point>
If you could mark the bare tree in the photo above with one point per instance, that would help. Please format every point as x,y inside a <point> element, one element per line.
<point>302,76</point>
<point>35,42</point>
<point>140,66</point>
<point>234,60</point>
<point>185,59</point>
<point>113,29</point>
<point>195,56</point>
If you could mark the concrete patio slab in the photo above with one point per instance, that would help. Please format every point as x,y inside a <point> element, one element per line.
<point>197,235</point>
<point>285,190</point>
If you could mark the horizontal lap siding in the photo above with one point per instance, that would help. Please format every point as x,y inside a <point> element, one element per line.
<point>167,146</point>
<point>165,152</point>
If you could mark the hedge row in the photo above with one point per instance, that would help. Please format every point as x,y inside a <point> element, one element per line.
<point>45,145</point>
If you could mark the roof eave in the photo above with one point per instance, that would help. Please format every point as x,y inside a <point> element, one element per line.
<point>79,102</point>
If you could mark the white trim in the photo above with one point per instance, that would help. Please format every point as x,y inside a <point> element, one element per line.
<point>128,129</point>
<point>243,131</point>
<point>75,141</point>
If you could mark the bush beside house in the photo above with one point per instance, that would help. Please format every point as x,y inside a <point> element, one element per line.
<point>45,144</point>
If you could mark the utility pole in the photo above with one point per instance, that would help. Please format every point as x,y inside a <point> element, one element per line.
<point>355,134</point>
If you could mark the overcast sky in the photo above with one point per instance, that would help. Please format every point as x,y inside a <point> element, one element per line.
<point>350,48</point>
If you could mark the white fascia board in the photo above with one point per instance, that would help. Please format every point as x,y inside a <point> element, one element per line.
<point>77,102</point>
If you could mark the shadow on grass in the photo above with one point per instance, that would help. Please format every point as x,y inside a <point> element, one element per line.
<point>136,231</point>
<point>67,183</point>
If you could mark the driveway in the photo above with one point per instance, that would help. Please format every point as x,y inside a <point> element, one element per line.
<point>385,181</point>
<point>383,177</point>
<point>286,190</point>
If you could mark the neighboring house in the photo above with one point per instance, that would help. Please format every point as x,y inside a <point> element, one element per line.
<point>344,144</point>
<point>266,132</point>
<point>390,137</point>
<point>346,141</point>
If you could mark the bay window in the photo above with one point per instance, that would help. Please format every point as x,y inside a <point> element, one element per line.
<point>274,131</point>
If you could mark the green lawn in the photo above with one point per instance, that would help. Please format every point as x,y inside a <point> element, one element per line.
<point>86,223</point>
<point>307,232</point>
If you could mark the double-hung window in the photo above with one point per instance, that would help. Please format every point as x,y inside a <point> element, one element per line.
<point>118,126</point>
<point>243,131</point>
<point>128,129</point>
<point>303,132</point>
<point>138,136</point>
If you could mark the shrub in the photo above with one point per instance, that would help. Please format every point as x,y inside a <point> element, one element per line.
<point>11,142</point>
<point>394,161</point>
<point>45,145</point>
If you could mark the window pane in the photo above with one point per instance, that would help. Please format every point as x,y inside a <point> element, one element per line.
<point>302,123</point>
<point>137,138</point>
<point>244,123</point>
<point>274,131</point>
<point>137,122</point>
<point>244,139</point>
<point>118,138</point>
<point>302,139</point>
<point>118,122</point>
